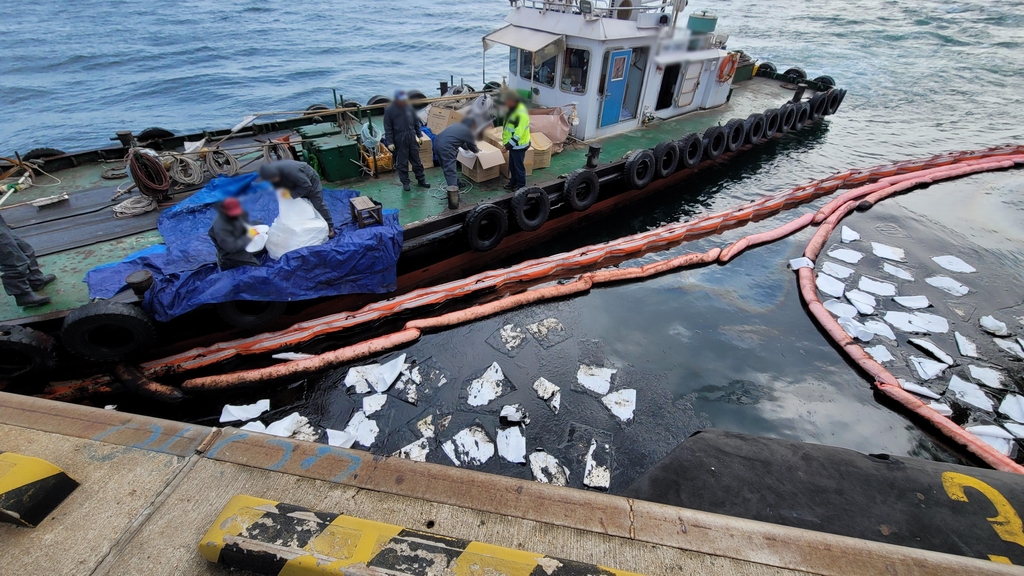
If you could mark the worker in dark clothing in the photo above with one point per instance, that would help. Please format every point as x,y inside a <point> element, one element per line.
<point>301,181</point>
<point>231,235</point>
<point>448,143</point>
<point>19,270</point>
<point>402,131</point>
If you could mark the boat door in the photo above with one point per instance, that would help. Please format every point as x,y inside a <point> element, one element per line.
<point>691,80</point>
<point>615,86</point>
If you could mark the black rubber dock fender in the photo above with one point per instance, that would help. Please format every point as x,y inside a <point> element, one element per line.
<point>638,171</point>
<point>40,153</point>
<point>819,105</point>
<point>833,99</point>
<point>825,80</point>
<point>249,314</point>
<point>787,117</point>
<point>581,188</point>
<point>666,159</point>
<point>485,227</point>
<point>735,134</point>
<point>154,133</point>
<point>691,150</point>
<point>25,353</point>
<point>714,142</point>
<point>772,120</point>
<point>803,115</point>
<point>107,331</point>
<point>531,206</point>
<point>796,74</point>
<point>754,127</point>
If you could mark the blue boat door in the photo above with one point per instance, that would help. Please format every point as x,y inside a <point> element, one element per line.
<point>615,86</point>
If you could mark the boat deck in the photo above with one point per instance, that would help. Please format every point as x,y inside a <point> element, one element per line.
<point>120,238</point>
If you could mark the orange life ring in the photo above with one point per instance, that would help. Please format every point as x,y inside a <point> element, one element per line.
<point>727,69</point>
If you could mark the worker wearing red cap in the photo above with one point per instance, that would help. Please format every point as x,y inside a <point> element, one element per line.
<point>230,234</point>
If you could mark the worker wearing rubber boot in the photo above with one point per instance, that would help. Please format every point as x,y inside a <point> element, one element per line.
<point>231,235</point>
<point>515,137</point>
<point>301,181</point>
<point>19,270</point>
<point>403,133</point>
<point>447,145</point>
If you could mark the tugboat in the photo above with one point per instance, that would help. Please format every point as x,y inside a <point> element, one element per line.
<point>625,102</point>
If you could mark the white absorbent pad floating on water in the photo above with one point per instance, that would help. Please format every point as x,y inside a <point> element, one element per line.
<point>621,403</point>
<point>880,353</point>
<point>830,285</point>
<point>897,272</point>
<point>485,389</point>
<point>994,436</point>
<point>876,286</point>
<point>987,376</point>
<point>947,284</point>
<point>856,329</point>
<point>1013,407</point>
<point>297,225</point>
<point>888,252</point>
<point>913,302</point>
<point>993,326</point>
<point>846,255</point>
<point>340,438</point>
<point>837,270</point>
<point>917,322</point>
<point>917,389</point>
<point>364,429</point>
<point>941,408</point>
<point>864,302</point>
<point>965,345</point>
<point>801,262</point>
<point>547,469</point>
<point>512,444</point>
<point>954,264</point>
<point>880,328</point>
<point>470,446</point>
<point>1010,346</point>
<point>932,349</point>
<point>848,235</point>
<point>416,451</point>
<point>969,393</point>
<point>595,378</point>
<point>840,309</point>
<point>232,413</point>
<point>927,368</point>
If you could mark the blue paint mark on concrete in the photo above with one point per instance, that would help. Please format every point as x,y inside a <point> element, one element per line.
<point>212,452</point>
<point>166,445</point>
<point>156,430</point>
<point>354,461</point>
<point>284,457</point>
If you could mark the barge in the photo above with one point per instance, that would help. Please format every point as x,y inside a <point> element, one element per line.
<point>642,105</point>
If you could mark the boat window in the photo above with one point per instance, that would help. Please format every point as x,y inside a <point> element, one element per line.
<point>546,62</point>
<point>575,69</point>
<point>513,57</point>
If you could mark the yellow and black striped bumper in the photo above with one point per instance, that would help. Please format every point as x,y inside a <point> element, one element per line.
<point>272,538</point>
<point>30,488</point>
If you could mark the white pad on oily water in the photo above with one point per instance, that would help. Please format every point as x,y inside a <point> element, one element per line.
<point>987,376</point>
<point>470,446</point>
<point>373,403</point>
<point>846,255</point>
<point>864,303</point>
<point>888,252</point>
<point>243,413</point>
<point>847,235</point>
<point>546,469</point>
<point>917,389</point>
<point>801,262</point>
<point>917,322</point>
<point>829,285</point>
<point>621,403</point>
<point>941,408</point>
<point>340,438</point>
<point>1010,346</point>
<point>913,302</point>
<point>897,272</point>
<point>994,436</point>
<point>948,285</point>
<point>364,429</point>
<point>1013,407</point>
<point>926,367</point>
<point>880,353</point>
<point>969,393</point>
<point>880,329</point>
<point>930,347</point>
<point>876,286</point>
<point>485,389</point>
<point>512,444</point>
<point>597,379</point>
<point>965,345</point>
<point>417,451</point>
<point>954,264</point>
<point>856,329</point>
<point>837,270</point>
<point>840,309</point>
<point>992,326</point>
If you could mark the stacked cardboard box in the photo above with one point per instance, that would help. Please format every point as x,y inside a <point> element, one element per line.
<point>541,147</point>
<point>484,165</point>
<point>440,118</point>
<point>426,153</point>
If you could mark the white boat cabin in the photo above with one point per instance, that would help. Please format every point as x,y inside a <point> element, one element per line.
<point>622,63</point>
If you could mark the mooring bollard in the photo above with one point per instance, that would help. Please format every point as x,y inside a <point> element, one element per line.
<point>453,197</point>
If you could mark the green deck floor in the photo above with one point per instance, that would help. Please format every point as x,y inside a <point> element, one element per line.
<point>69,291</point>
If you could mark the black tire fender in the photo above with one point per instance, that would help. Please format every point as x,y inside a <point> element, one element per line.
<point>666,159</point>
<point>581,189</point>
<point>250,314</point>
<point>531,207</point>
<point>834,98</point>
<point>317,108</point>
<point>154,133</point>
<point>754,127</point>
<point>735,134</point>
<point>25,353</point>
<point>772,120</point>
<point>827,81</point>
<point>803,115</point>
<point>485,227</point>
<point>714,142</point>
<point>767,67</point>
<point>40,153</point>
<point>819,105</point>
<point>638,171</point>
<point>787,117</point>
<point>795,73</point>
<point>107,331</point>
<point>691,150</point>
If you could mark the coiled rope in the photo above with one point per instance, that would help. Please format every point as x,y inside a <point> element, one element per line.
<point>276,151</point>
<point>149,174</point>
<point>221,163</point>
<point>134,206</point>
<point>186,170</point>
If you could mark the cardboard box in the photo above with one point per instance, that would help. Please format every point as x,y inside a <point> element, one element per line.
<point>541,147</point>
<point>440,118</point>
<point>426,153</point>
<point>527,162</point>
<point>484,165</point>
<point>493,136</point>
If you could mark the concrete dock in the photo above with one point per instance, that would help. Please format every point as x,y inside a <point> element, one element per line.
<point>151,488</point>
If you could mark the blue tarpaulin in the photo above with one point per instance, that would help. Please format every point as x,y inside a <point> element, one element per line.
<point>185,267</point>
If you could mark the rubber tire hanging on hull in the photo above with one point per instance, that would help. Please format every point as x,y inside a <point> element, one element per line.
<point>638,170</point>
<point>803,115</point>
<point>787,117</point>
<point>819,105</point>
<point>531,207</point>
<point>580,189</point>
<point>25,353</point>
<point>754,127</point>
<point>797,74</point>
<point>834,99</point>
<point>691,150</point>
<point>666,159</point>
<point>735,134</point>
<point>107,331</point>
<point>826,81</point>
<point>714,142</point>
<point>40,153</point>
<point>250,314</point>
<point>485,227</point>
<point>772,120</point>
<point>768,67</point>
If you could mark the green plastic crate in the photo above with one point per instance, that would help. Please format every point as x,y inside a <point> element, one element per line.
<point>337,157</point>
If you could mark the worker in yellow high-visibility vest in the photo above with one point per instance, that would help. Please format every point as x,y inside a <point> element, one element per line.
<point>516,139</point>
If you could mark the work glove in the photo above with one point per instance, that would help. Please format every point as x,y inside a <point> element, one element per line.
<point>419,139</point>
<point>508,146</point>
<point>391,147</point>
<point>252,232</point>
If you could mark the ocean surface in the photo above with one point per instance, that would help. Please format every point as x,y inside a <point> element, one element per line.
<point>729,347</point>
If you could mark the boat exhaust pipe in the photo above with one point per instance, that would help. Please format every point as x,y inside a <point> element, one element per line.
<point>799,94</point>
<point>593,154</point>
<point>453,197</point>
